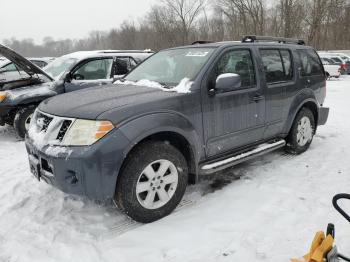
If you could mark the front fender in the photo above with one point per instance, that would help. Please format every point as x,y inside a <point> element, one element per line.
<point>144,126</point>
<point>23,96</point>
<point>303,97</point>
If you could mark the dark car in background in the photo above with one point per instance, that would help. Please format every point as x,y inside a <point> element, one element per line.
<point>184,112</point>
<point>22,89</point>
<point>7,65</point>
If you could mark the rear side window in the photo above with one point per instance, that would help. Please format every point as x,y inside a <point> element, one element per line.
<point>238,62</point>
<point>310,63</point>
<point>277,65</point>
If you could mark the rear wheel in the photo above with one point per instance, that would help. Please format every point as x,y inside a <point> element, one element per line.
<point>22,120</point>
<point>302,132</point>
<point>152,182</point>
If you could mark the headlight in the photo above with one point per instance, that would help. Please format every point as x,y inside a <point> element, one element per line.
<point>86,132</point>
<point>2,96</point>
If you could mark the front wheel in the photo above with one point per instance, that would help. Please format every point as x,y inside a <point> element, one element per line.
<point>302,132</point>
<point>22,120</point>
<point>152,182</point>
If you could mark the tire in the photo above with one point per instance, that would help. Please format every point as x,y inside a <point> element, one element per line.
<point>22,119</point>
<point>302,132</point>
<point>148,157</point>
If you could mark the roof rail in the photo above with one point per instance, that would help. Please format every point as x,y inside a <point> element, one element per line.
<point>125,51</point>
<point>282,40</point>
<point>201,42</point>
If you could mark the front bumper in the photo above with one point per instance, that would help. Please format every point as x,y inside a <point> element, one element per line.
<point>323,113</point>
<point>89,171</point>
<point>4,112</point>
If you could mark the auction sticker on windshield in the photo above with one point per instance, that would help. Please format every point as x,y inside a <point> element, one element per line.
<point>197,53</point>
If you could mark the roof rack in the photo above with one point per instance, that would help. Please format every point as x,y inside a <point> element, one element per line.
<point>281,40</point>
<point>201,42</point>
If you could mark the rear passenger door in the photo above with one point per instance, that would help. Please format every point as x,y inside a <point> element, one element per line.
<point>278,69</point>
<point>234,118</point>
<point>91,72</point>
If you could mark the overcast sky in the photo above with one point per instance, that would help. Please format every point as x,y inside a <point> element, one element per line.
<point>65,18</point>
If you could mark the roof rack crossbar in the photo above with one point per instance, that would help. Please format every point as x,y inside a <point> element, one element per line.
<point>282,40</point>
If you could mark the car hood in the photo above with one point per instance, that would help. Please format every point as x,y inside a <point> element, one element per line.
<point>21,62</point>
<point>90,103</point>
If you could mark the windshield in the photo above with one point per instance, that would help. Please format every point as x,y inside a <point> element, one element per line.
<point>171,66</point>
<point>60,66</point>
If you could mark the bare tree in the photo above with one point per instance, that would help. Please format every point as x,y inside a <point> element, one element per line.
<point>323,23</point>
<point>186,12</point>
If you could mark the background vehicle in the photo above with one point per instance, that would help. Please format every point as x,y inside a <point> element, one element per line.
<point>89,68</point>
<point>331,68</point>
<point>7,65</point>
<point>184,112</point>
<point>25,87</point>
<point>341,59</point>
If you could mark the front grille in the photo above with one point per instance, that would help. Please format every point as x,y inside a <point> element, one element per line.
<point>48,129</point>
<point>43,121</point>
<point>63,130</point>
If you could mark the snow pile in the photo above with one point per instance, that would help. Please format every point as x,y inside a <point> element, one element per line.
<point>267,209</point>
<point>143,82</point>
<point>56,151</point>
<point>183,87</point>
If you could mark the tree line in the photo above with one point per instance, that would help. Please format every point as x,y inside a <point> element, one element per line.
<point>324,24</point>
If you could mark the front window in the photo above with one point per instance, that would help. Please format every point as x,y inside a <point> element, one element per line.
<point>170,67</point>
<point>237,62</point>
<point>94,70</point>
<point>60,66</point>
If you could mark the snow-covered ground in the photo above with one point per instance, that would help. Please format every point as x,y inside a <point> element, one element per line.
<point>264,210</point>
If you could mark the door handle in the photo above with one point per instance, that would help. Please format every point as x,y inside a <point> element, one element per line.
<point>257,98</point>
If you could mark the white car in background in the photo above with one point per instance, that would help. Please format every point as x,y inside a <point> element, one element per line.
<point>331,68</point>
<point>342,59</point>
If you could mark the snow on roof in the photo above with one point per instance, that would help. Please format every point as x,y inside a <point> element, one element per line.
<point>86,54</point>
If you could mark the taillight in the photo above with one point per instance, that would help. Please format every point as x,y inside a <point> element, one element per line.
<point>343,66</point>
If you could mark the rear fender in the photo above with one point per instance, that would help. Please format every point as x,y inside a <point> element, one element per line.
<point>299,101</point>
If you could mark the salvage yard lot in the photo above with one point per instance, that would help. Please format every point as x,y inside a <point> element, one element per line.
<point>264,210</point>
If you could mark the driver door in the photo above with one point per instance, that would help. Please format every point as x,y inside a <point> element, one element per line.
<point>234,118</point>
<point>91,73</point>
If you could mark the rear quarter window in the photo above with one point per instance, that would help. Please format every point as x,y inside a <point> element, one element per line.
<point>310,62</point>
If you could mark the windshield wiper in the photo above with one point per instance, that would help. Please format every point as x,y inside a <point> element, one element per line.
<point>164,85</point>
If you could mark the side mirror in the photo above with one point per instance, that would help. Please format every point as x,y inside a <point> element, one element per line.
<point>67,78</point>
<point>227,82</point>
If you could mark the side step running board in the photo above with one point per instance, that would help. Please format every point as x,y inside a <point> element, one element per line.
<point>212,167</point>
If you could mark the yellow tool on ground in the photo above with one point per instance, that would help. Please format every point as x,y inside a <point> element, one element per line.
<point>322,249</point>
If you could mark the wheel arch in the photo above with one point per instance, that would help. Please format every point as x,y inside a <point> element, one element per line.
<point>174,129</point>
<point>310,104</point>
